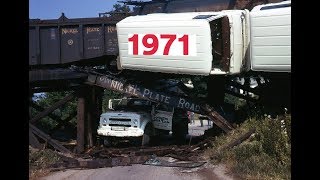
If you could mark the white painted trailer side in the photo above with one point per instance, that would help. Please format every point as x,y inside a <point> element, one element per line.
<point>198,63</point>
<point>259,40</point>
<point>271,37</point>
<point>177,23</point>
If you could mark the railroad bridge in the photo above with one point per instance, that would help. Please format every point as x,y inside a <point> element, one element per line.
<point>57,44</point>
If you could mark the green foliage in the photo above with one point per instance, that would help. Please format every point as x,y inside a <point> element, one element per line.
<point>47,124</point>
<point>42,158</point>
<point>274,139</point>
<point>246,150</point>
<point>287,126</point>
<point>238,102</point>
<point>45,101</point>
<point>120,8</point>
<point>108,94</point>
<point>262,166</point>
<point>265,155</point>
<point>39,161</point>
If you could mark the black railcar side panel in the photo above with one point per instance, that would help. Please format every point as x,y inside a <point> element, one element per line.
<point>63,41</point>
<point>93,41</point>
<point>49,45</point>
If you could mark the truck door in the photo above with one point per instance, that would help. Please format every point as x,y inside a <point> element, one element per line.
<point>162,117</point>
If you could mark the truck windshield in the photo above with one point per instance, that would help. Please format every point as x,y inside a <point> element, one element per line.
<point>132,105</point>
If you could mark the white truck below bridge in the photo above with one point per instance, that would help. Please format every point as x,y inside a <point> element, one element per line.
<point>136,119</point>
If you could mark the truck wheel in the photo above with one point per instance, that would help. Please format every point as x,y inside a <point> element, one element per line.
<point>145,139</point>
<point>179,131</point>
<point>107,142</point>
<point>147,135</point>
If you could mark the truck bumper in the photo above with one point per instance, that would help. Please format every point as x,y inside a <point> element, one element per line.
<point>115,132</point>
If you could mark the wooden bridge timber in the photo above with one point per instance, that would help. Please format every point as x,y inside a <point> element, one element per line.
<point>89,106</point>
<point>88,89</point>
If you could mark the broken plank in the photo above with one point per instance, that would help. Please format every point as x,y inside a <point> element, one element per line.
<point>240,139</point>
<point>100,163</point>
<point>33,141</point>
<point>52,108</point>
<point>61,122</point>
<point>47,138</point>
<point>217,118</point>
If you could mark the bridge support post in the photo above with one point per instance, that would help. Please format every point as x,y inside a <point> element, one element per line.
<point>90,103</point>
<point>80,122</point>
<point>94,106</point>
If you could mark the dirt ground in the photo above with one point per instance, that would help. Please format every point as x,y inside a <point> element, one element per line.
<point>144,172</point>
<point>147,172</point>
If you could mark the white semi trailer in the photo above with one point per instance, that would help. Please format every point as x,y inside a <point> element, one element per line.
<point>231,48</point>
<point>208,43</point>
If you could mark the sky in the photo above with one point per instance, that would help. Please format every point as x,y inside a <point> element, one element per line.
<point>52,9</point>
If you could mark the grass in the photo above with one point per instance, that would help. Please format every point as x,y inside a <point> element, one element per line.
<point>265,155</point>
<point>39,161</point>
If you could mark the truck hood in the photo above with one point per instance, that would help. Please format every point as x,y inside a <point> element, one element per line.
<point>124,114</point>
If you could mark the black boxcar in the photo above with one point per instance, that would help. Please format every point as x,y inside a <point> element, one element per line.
<point>63,41</point>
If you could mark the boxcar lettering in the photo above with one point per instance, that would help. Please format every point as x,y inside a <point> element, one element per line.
<point>93,47</point>
<point>111,29</point>
<point>92,29</point>
<point>68,31</point>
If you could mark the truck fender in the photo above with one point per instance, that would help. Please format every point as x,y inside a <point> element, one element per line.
<point>144,123</point>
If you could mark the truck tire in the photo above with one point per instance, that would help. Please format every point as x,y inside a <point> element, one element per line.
<point>145,138</point>
<point>179,131</point>
<point>147,135</point>
<point>107,142</point>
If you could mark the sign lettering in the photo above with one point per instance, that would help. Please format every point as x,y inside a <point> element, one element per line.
<point>162,44</point>
<point>138,91</point>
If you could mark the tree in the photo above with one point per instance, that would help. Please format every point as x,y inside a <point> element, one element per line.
<point>46,100</point>
<point>108,94</point>
<point>118,8</point>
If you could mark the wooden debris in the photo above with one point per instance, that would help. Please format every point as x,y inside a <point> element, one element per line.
<point>33,141</point>
<point>52,108</point>
<point>48,139</point>
<point>239,140</point>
